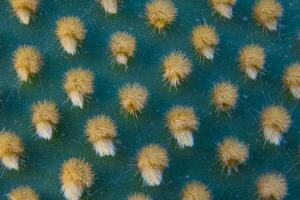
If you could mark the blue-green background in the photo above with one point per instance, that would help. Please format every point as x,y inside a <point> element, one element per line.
<point>117,177</point>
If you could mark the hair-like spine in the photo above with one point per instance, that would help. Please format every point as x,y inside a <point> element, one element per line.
<point>182,122</point>
<point>45,117</point>
<point>267,13</point>
<point>224,96</point>
<point>152,161</point>
<point>101,132</point>
<point>195,190</point>
<point>122,47</point>
<point>138,196</point>
<point>274,121</point>
<point>223,7</point>
<point>132,98</point>
<point>160,13</point>
<point>204,40</point>
<point>76,175</point>
<point>232,153</point>
<point>176,67</point>
<point>27,62</point>
<point>78,84</point>
<point>70,32</point>
<point>23,193</point>
<point>24,9</point>
<point>271,186</point>
<point>11,149</point>
<point>110,6</point>
<point>291,79</point>
<point>252,60</point>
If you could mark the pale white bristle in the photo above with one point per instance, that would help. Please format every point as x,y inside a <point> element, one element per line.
<point>23,75</point>
<point>295,92</point>
<point>72,192</point>
<point>208,53</point>
<point>152,177</point>
<point>224,10</point>
<point>184,139</point>
<point>11,162</point>
<point>23,15</point>
<point>77,99</point>
<point>110,6</point>
<point>272,26</point>
<point>272,135</point>
<point>105,148</point>
<point>251,72</point>
<point>122,59</point>
<point>69,44</point>
<point>44,130</point>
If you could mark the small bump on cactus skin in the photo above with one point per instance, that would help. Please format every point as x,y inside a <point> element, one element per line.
<point>291,79</point>
<point>160,13</point>
<point>101,131</point>
<point>251,60</point>
<point>45,117</point>
<point>182,122</point>
<point>78,84</point>
<point>132,98</point>
<point>271,186</point>
<point>152,161</point>
<point>23,193</point>
<point>122,47</point>
<point>223,7</point>
<point>109,6</point>
<point>176,67</point>
<point>76,175</point>
<point>195,191</point>
<point>224,96</point>
<point>274,122</point>
<point>11,150</point>
<point>70,31</point>
<point>204,40</point>
<point>27,62</point>
<point>232,153</point>
<point>267,13</point>
<point>138,196</point>
<point>24,9</point>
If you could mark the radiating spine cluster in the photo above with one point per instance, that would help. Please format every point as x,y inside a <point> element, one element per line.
<point>195,190</point>
<point>291,79</point>
<point>223,7</point>
<point>110,6</point>
<point>138,196</point>
<point>152,161</point>
<point>24,9</point>
<point>23,193</point>
<point>101,132</point>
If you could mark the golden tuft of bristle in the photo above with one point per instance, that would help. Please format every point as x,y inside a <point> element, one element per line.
<point>109,6</point>
<point>204,40</point>
<point>27,62</point>
<point>195,191</point>
<point>176,67</point>
<point>78,84</point>
<point>182,122</point>
<point>76,175</point>
<point>70,32</point>
<point>274,121</point>
<point>11,149</point>
<point>138,196</point>
<point>45,117</point>
<point>160,13</point>
<point>271,186</point>
<point>232,153</point>
<point>101,131</point>
<point>24,9</point>
<point>122,47</point>
<point>267,13</point>
<point>151,162</point>
<point>23,193</point>
<point>223,7</point>
<point>133,98</point>
<point>224,96</point>
<point>291,79</point>
<point>252,60</point>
